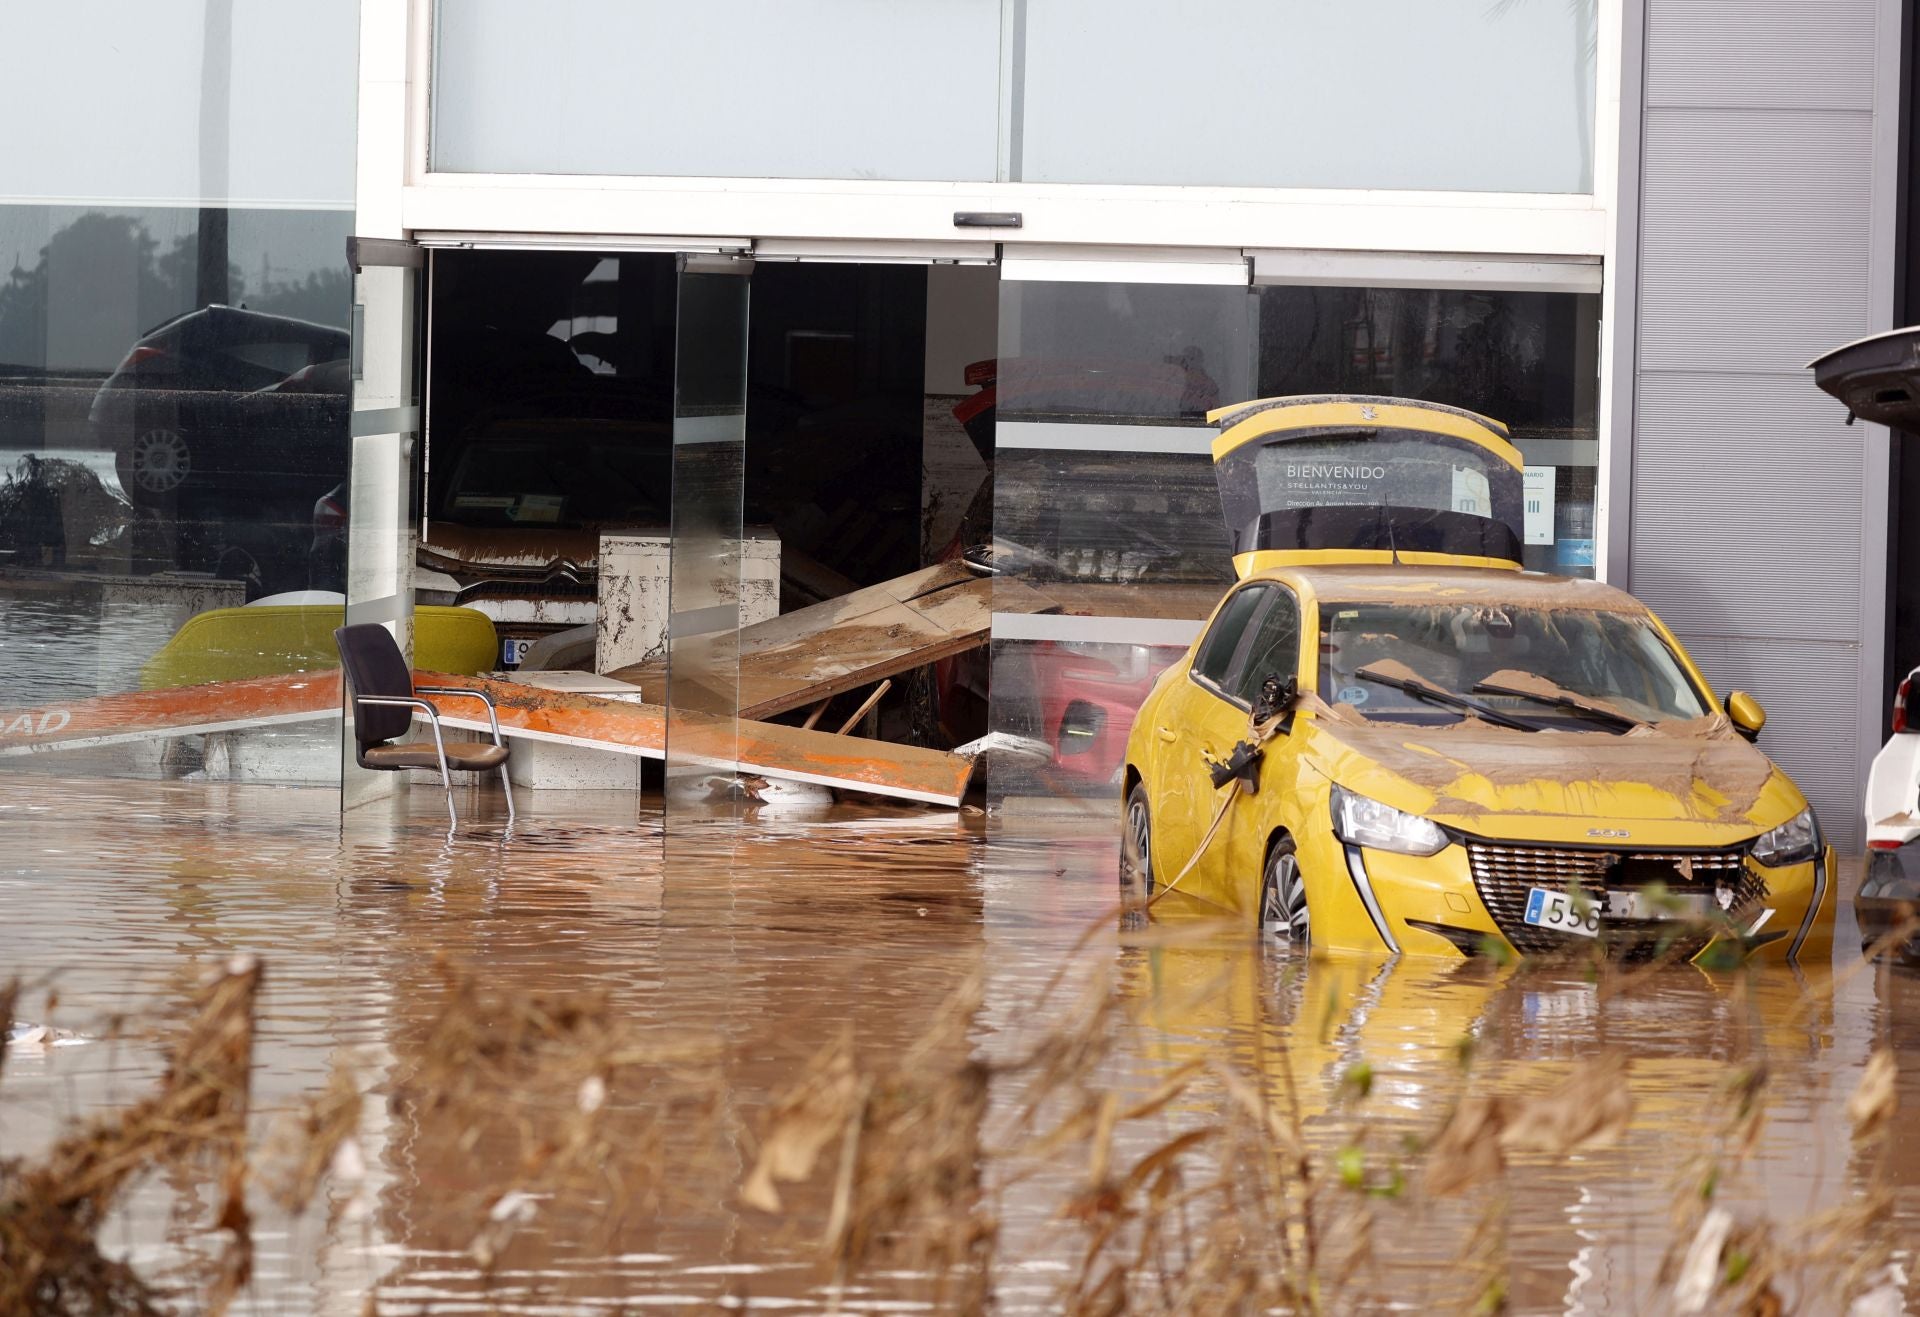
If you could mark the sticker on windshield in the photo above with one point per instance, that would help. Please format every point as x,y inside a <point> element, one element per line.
<point>1352,695</point>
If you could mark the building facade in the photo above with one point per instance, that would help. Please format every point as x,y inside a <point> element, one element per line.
<point>853,266</point>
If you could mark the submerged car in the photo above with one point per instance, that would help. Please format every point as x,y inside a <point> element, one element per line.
<point>1389,737</point>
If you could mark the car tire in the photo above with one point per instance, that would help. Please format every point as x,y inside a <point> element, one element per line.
<point>1136,855</point>
<point>154,464</point>
<point>1283,895</point>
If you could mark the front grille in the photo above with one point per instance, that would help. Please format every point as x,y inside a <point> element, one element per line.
<point>1504,874</point>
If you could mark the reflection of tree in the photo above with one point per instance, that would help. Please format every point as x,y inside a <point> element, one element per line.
<point>322,296</point>
<point>103,280</point>
<point>94,266</point>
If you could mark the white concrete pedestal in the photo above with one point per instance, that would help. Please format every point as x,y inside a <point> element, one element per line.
<point>635,571</point>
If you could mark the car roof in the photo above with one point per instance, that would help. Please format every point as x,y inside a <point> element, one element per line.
<point>1398,583</point>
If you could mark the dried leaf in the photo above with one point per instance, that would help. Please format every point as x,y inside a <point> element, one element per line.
<point>1875,1098</point>
<point>1467,1149</point>
<point>811,1115</point>
<point>1591,1108</point>
<point>1700,1271</point>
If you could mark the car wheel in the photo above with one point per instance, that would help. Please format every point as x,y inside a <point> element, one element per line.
<point>1283,895</point>
<point>1136,855</point>
<point>157,462</point>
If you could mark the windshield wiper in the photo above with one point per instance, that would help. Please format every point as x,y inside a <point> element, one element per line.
<point>1567,700</point>
<point>1424,690</point>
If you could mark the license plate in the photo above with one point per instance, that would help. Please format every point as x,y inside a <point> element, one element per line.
<point>1674,905</point>
<point>1547,908</point>
<point>512,650</point>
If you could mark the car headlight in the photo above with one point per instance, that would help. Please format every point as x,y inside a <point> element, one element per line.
<point>1796,841</point>
<point>1358,821</point>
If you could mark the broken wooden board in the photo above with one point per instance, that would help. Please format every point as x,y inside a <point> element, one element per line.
<point>849,763</point>
<point>222,706</point>
<point>812,654</point>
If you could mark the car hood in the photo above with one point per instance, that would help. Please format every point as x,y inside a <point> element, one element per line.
<point>1491,780</point>
<point>526,550</point>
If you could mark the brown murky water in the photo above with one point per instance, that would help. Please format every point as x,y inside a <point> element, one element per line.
<point>767,944</point>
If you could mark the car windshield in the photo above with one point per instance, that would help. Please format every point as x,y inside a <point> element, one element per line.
<point>1555,667</point>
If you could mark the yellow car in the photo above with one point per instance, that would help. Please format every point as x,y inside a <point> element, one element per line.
<point>1388,737</point>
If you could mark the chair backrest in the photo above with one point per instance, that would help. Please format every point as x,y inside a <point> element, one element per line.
<point>375,666</point>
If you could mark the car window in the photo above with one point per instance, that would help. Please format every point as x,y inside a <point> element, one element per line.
<point>1223,637</point>
<point>1272,648</point>
<point>281,357</point>
<point>1614,657</point>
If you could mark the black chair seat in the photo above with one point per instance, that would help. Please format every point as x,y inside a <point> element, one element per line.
<point>462,756</point>
<point>384,703</point>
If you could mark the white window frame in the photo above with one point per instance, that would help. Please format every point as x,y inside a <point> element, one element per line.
<point>399,195</point>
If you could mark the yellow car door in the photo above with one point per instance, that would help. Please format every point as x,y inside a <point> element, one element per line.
<point>1228,875</point>
<point>1181,796</point>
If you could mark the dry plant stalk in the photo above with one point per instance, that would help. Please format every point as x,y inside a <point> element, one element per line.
<point>1590,1108</point>
<point>51,1211</point>
<point>312,1141</point>
<point>530,1083</point>
<point>907,1151</point>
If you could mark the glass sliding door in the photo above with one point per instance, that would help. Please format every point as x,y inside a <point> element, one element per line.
<point>709,464</point>
<point>375,533</point>
<point>1104,500</point>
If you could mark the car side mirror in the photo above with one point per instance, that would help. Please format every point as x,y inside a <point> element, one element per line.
<point>1278,695</point>
<point>1746,714</point>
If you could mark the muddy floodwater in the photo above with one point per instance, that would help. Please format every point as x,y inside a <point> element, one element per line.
<point>963,981</point>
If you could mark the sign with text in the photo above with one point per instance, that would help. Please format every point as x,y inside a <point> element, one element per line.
<point>1537,489</point>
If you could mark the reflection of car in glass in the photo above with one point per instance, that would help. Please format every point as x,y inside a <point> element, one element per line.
<point>1878,378</point>
<point>1389,736</point>
<point>223,398</point>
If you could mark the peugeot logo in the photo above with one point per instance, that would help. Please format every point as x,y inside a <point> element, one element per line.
<point>1620,833</point>
<point>1367,413</point>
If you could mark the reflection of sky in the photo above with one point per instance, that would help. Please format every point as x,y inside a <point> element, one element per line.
<point>244,101</point>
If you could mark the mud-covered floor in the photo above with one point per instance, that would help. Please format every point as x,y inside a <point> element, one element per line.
<point>752,950</point>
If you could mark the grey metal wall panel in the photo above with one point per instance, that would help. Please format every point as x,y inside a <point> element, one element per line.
<point>1746,496</point>
<point>1741,53</point>
<point>1800,734</point>
<point>1759,225</point>
<point>1764,236</point>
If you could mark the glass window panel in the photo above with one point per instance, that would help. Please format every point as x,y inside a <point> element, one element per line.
<point>1425,94</point>
<point>1272,650</point>
<point>1228,629</point>
<point>851,89</point>
<point>1528,359</point>
<point>1104,497</point>
<point>1121,353</point>
<point>173,448</point>
<point>218,101</point>
<point>1074,703</point>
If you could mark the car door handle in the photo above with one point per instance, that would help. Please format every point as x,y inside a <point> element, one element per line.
<point>1166,734</point>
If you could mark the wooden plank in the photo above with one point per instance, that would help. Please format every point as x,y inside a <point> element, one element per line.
<point>849,763</point>
<point>812,654</point>
<point>175,711</point>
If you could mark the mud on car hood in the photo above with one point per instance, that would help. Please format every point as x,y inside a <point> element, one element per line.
<point>1698,772</point>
